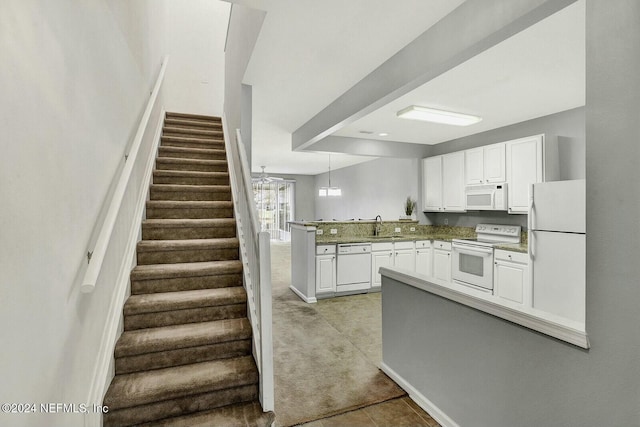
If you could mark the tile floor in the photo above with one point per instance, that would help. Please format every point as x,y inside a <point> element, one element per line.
<point>392,413</point>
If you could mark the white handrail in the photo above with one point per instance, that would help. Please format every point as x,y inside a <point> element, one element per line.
<point>256,262</point>
<point>95,258</point>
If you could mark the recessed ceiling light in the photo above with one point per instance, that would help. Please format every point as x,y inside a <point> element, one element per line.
<point>383,134</point>
<point>415,112</point>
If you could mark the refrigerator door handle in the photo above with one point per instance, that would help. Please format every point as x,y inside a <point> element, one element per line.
<point>532,244</point>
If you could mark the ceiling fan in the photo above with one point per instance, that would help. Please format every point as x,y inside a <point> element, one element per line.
<point>264,178</point>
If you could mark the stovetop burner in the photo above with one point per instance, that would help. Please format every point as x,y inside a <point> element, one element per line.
<point>492,234</point>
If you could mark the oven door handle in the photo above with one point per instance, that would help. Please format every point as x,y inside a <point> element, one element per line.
<point>475,251</point>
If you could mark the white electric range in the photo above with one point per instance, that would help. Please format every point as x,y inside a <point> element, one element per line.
<point>472,263</point>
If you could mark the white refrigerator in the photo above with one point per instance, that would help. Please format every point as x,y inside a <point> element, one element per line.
<point>557,247</point>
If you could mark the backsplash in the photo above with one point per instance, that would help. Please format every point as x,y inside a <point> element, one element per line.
<point>387,228</point>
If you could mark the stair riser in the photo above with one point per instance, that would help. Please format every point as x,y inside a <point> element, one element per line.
<point>185,283</point>
<point>183,356</point>
<point>191,255</point>
<point>190,315</point>
<point>181,233</point>
<point>190,180</point>
<point>190,116</point>
<point>189,213</point>
<point>209,145</point>
<point>194,125</point>
<point>182,406</point>
<point>214,155</point>
<point>157,194</point>
<point>163,164</point>
<point>193,132</point>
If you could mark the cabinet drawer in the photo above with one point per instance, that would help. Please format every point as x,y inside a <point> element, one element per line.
<point>439,244</point>
<point>423,244</point>
<point>325,249</point>
<point>404,245</point>
<point>382,246</point>
<point>512,256</point>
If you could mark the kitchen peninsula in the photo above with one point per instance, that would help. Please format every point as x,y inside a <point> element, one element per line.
<point>334,258</point>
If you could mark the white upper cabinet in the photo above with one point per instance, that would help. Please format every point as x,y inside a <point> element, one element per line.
<point>432,184</point>
<point>495,170</point>
<point>443,183</point>
<point>485,165</point>
<point>453,182</point>
<point>524,167</point>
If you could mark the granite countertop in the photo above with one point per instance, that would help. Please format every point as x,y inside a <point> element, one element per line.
<point>514,247</point>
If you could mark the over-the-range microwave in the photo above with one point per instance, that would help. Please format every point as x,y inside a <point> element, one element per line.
<point>489,197</point>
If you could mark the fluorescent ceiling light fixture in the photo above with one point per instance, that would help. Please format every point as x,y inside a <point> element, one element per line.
<point>415,112</point>
<point>383,134</point>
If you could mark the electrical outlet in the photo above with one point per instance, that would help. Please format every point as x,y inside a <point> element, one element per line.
<point>334,231</point>
<point>446,221</point>
<point>412,229</point>
<point>319,232</point>
<point>397,230</point>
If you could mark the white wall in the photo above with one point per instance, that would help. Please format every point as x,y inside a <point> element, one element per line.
<point>379,187</point>
<point>75,78</point>
<point>195,35</point>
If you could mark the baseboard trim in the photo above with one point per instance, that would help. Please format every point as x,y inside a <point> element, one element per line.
<point>302,296</point>
<point>104,370</point>
<point>435,412</point>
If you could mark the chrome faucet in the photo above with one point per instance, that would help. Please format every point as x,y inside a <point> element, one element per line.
<point>376,232</point>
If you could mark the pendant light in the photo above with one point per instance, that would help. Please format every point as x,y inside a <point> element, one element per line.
<point>330,191</point>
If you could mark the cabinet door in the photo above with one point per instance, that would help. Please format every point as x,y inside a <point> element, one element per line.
<point>325,273</point>
<point>432,184</point>
<point>406,259</point>
<point>442,265</point>
<point>453,182</point>
<point>524,167</point>
<point>424,262</point>
<point>379,259</point>
<point>494,164</point>
<point>510,280</point>
<point>474,166</point>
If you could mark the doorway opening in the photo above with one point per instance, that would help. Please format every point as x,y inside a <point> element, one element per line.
<point>275,203</point>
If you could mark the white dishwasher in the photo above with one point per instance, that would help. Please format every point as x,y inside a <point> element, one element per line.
<point>354,267</point>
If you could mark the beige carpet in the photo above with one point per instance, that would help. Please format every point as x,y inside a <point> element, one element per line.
<point>326,354</point>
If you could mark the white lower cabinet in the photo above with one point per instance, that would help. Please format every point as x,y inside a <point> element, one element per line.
<point>391,254</point>
<point>424,257</point>
<point>511,277</point>
<point>325,269</point>
<point>404,255</point>
<point>442,260</point>
<point>381,256</point>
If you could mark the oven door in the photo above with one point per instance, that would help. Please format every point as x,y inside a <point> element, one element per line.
<point>473,265</point>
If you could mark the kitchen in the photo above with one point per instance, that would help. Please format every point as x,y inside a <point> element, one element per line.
<point>372,188</point>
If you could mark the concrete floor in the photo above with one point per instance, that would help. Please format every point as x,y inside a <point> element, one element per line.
<point>327,357</point>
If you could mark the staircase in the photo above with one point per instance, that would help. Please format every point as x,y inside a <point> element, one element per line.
<point>185,356</point>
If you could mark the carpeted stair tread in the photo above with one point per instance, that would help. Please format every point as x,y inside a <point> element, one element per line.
<point>180,160</point>
<point>206,140</point>
<point>140,388</point>
<point>192,153</point>
<point>171,209</point>
<point>191,269</point>
<point>172,188</point>
<point>191,124</point>
<point>182,300</point>
<point>186,222</point>
<point>179,192</point>
<point>167,130</point>
<point>153,340</point>
<point>185,177</point>
<point>155,245</point>
<point>191,116</point>
<point>238,415</point>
